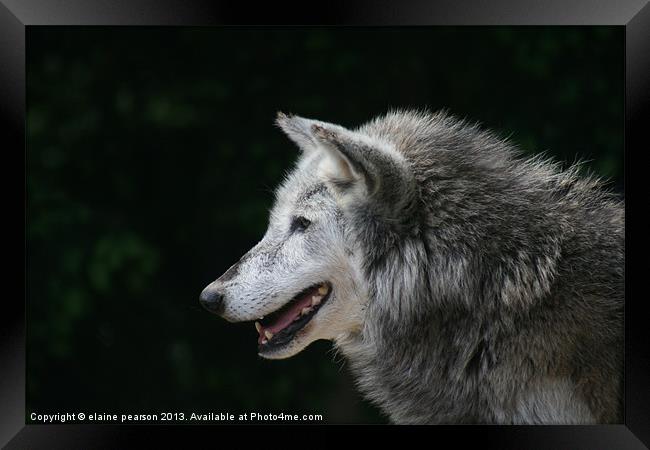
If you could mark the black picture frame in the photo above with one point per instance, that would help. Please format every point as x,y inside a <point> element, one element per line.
<point>17,15</point>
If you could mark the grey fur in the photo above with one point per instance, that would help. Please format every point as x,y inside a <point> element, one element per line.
<point>472,285</point>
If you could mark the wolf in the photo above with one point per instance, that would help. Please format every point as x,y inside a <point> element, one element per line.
<point>463,282</point>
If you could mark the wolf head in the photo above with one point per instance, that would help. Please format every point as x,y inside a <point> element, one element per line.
<point>378,229</point>
<point>303,281</point>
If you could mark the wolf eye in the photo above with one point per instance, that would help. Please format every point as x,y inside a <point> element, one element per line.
<point>299,224</point>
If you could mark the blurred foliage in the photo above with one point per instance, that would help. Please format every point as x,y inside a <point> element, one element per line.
<point>151,160</point>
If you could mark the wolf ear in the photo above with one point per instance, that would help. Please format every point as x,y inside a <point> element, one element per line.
<point>298,129</point>
<point>338,166</point>
<point>356,166</point>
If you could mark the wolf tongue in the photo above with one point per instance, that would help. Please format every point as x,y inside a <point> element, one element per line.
<point>287,316</point>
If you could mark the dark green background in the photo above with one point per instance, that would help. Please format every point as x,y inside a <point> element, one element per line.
<point>151,159</point>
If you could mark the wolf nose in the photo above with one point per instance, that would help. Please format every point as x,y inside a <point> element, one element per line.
<point>212,300</point>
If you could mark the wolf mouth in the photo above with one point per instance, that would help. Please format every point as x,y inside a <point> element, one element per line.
<point>280,327</point>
